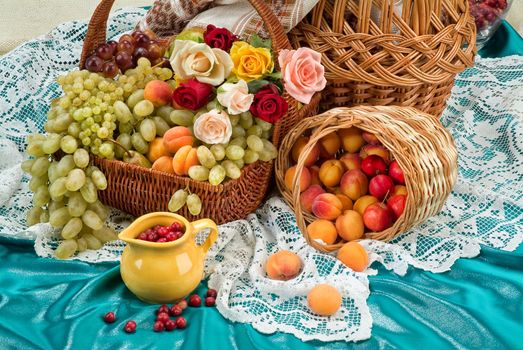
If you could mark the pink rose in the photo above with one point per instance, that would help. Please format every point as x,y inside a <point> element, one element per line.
<point>303,73</point>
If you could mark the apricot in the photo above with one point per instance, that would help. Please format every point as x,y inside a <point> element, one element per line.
<point>307,197</point>
<point>184,159</point>
<point>165,164</point>
<point>331,172</point>
<point>363,202</point>
<point>158,92</point>
<point>283,265</point>
<point>378,150</point>
<point>351,161</point>
<point>157,150</point>
<point>315,175</point>
<point>327,206</point>
<point>354,256</point>
<point>177,137</point>
<point>350,225</point>
<point>313,155</point>
<point>354,184</point>
<point>329,145</point>
<point>351,139</point>
<point>305,178</point>
<point>399,189</point>
<point>324,300</point>
<point>323,230</point>
<point>346,202</point>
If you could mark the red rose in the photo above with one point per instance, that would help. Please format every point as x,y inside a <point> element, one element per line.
<point>220,38</point>
<point>192,94</point>
<point>268,105</point>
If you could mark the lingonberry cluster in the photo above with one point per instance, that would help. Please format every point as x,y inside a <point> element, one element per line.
<point>161,234</point>
<point>164,313</point>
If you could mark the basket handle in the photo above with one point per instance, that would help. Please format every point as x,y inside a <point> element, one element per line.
<point>96,30</point>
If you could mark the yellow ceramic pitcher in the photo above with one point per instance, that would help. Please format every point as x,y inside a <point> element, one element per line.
<point>164,272</point>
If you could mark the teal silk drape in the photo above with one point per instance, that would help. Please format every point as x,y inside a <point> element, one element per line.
<point>50,304</point>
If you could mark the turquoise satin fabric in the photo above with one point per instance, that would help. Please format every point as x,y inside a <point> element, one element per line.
<point>50,304</point>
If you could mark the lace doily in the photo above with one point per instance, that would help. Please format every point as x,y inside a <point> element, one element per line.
<point>484,114</point>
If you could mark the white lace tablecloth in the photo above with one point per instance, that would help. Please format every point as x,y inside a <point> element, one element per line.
<point>484,114</point>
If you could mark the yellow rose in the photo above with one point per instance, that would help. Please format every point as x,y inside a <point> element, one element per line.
<point>250,63</point>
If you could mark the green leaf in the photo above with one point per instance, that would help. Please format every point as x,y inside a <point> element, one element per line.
<point>256,41</point>
<point>274,76</point>
<point>256,85</point>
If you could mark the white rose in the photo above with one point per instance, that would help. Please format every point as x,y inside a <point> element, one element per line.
<point>191,59</point>
<point>213,127</point>
<point>235,97</point>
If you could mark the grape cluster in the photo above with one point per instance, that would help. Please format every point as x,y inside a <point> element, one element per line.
<point>114,57</point>
<point>65,193</point>
<point>486,12</point>
<point>183,197</point>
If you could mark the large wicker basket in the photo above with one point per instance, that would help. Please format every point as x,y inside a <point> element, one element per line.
<point>376,53</point>
<point>139,190</point>
<point>423,148</point>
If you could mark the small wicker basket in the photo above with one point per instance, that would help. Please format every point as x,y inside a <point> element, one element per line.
<point>139,190</point>
<point>389,52</point>
<point>423,148</point>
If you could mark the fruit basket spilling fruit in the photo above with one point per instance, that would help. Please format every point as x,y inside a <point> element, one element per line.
<point>359,172</point>
<point>189,124</point>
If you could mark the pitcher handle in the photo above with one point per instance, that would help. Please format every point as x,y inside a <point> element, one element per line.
<point>211,238</point>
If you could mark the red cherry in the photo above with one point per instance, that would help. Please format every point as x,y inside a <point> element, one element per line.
<point>109,317</point>
<point>130,327</point>
<point>210,301</point>
<point>396,173</point>
<point>175,310</point>
<point>176,226</point>
<point>397,205</point>
<point>164,308</point>
<point>170,325</point>
<point>195,301</point>
<point>171,237</point>
<point>380,186</point>
<point>158,326</point>
<point>163,231</point>
<point>153,237</point>
<point>211,293</point>
<point>373,165</point>
<point>143,236</point>
<point>162,317</point>
<point>161,240</point>
<point>182,304</point>
<point>181,322</point>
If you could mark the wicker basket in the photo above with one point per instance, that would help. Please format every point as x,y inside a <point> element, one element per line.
<point>139,190</point>
<point>424,150</point>
<point>377,54</point>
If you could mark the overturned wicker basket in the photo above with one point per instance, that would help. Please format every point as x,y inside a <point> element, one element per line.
<point>139,190</point>
<point>424,150</point>
<point>389,52</point>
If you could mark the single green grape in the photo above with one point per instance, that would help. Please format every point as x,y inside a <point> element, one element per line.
<point>194,204</point>
<point>68,144</point>
<point>105,234</point>
<point>40,166</point>
<point>205,157</point>
<point>250,156</point>
<point>134,98</point>
<point>255,130</point>
<point>51,144</point>
<point>266,126</point>
<point>181,117</point>
<point>106,150</point>
<point>76,204</point>
<point>218,151</point>
<point>89,191</point>
<point>234,119</point>
<point>231,169</point>
<point>92,220</point>
<point>125,140</point>
<point>143,108</point>
<point>27,165</point>
<point>255,143</point>
<point>66,249</point>
<point>57,188</point>
<point>246,120</point>
<point>217,175</point>
<point>65,165</point>
<point>74,130</point>
<point>122,112</point>
<point>239,141</point>
<point>139,143</point>
<point>161,126</point>
<point>238,131</point>
<point>82,244</point>
<point>75,180</point>
<point>147,129</point>
<point>234,152</point>
<point>41,196</point>
<point>33,216</point>
<point>239,163</point>
<point>99,180</point>
<point>100,210</point>
<point>177,200</point>
<point>72,228</point>
<point>92,242</point>
<point>81,158</point>
<point>199,173</point>
<point>59,217</point>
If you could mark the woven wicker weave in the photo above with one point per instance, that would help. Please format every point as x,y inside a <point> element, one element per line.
<point>376,55</point>
<point>139,190</point>
<point>424,150</point>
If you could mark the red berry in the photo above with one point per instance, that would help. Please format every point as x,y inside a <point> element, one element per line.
<point>109,317</point>
<point>152,237</point>
<point>175,310</point>
<point>182,304</point>
<point>158,326</point>
<point>211,293</point>
<point>195,301</point>
<point>163,231</point>
<point>210,301</point>
<point>143,236</point>
<point>176,226</point>
<point>171,237</point>
<point>164,308</point>
<point>161,240</point>
<point>181,323</point>
<point>170,325</point>
<point>162,317</point>
<point>130,327</point>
